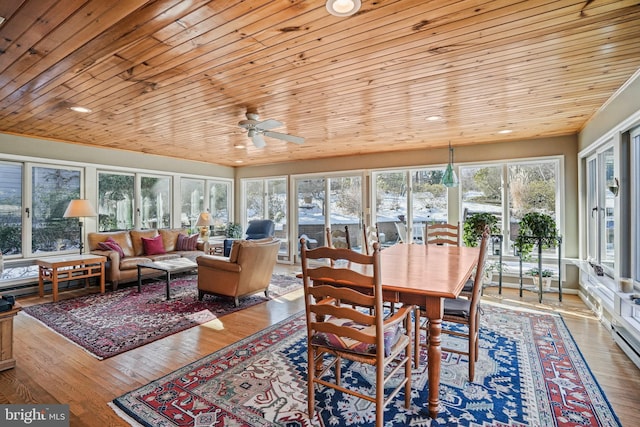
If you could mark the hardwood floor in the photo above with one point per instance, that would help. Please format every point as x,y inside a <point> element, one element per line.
<point>50,369</point>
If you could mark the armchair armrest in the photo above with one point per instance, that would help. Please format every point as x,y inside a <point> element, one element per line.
<point>218,263</point>
<point>203,246</point>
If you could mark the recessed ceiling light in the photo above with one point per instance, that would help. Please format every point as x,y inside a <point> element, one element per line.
<point>343,7</point>
<point>434,118</point>
<point>80,109</point>
<point>239,161</point>
<point>505,131</point>
<point>239,146</point>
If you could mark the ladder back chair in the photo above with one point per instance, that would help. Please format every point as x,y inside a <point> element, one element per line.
<point>340,331</point>
<point>338,238</point>
<point>464,311</point>
<point>442,234</point>
<point>371,236</point>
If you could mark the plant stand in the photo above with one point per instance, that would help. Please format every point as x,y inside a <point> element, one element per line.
<point>538,241</point>
<point>496,244</point>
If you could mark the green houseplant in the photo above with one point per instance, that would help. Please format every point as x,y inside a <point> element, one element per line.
<point>546,277</point>
<point>474,226</point>
<point>234,230</point>
<point>532,226</point>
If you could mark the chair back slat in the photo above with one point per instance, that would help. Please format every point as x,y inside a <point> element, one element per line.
<point>442,234</point>
<point>345,331</point>
<point>343,294</point>
<point>338,238</point>
<point>480,269</point>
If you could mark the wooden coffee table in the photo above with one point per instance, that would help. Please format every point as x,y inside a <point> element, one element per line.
<point>69,267</point>
<point>178,265</point>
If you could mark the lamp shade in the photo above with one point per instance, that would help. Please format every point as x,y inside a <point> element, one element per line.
<point>79,208</point>
<point>343,7</point>
<point>204,220</point>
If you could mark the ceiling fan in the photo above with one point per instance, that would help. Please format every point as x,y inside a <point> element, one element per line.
<point>256,129</point>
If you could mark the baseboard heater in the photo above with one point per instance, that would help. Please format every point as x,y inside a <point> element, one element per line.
<point>628,343</point>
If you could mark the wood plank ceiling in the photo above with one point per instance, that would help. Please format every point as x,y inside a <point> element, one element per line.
<point>174,77</point>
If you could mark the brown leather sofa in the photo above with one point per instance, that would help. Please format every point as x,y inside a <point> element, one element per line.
<point>247,270</point>
<point>121,270</point>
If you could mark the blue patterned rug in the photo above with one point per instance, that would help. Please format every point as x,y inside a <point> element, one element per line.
<point>529,373</point>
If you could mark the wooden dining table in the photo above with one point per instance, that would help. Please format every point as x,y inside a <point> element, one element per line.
<point>425,275</point>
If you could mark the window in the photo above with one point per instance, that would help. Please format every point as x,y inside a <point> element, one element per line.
<point>481,190</point>
<point>600,215</point>
<point>115,201</point>
<point>332,202</point>
<point>220,205</point>
<point>532,186</point>
<point>635,200</point>
<point>11,208</point>
<point>52,189</point>
<point>192,201</point>
<point>409,198</point>
<point>155,202</point>
<point>267,199</point>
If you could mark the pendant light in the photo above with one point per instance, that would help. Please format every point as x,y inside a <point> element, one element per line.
<point>449,179</point>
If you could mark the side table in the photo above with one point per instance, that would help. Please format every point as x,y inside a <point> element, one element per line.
<point>69,267</point>
<point>6,337</point>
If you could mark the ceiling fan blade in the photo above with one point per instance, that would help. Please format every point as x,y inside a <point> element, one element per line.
<point>285,137</point>
<point>269,124</point>
<point>258,140</point>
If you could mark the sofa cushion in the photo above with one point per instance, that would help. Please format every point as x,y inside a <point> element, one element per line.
<point>130,263</point>
<point>122,238</point>
<point>153,246</point>
<point>185,243</point>
<point>170,237</point>
<point>111,245</point>
<point>136,239</point>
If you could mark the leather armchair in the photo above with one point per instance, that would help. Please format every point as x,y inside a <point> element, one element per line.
<point>246,271</point>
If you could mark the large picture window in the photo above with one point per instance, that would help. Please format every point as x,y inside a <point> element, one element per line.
<point>115,201</point>
<point>155,202</point>
<point>11,208</point>
<point>53,188</point>
<point>406,200</point>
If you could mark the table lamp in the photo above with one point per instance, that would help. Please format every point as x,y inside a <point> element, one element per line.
<point>79,208</point>
<point>205,220</point>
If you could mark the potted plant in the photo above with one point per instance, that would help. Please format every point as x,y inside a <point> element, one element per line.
<point>534,226</point>
<point>493,267</point>
<point>474,227</point>
<point>234,230</point>
<point>546,277</point>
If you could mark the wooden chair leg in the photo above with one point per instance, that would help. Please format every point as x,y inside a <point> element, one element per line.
<point>310,382</point>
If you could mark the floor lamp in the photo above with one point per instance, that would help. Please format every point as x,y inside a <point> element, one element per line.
<point>79,208</point>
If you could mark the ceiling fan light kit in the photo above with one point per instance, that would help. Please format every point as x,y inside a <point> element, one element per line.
<point>256,129</point>
<point>343,7</point>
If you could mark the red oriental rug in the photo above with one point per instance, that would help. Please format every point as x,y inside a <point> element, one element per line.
<point>115,322</point>
<point>529,373</point>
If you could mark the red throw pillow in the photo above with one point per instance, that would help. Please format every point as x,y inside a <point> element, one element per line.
<point>185,243</point>
<point>111,245</point>
<point>153,246</point>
